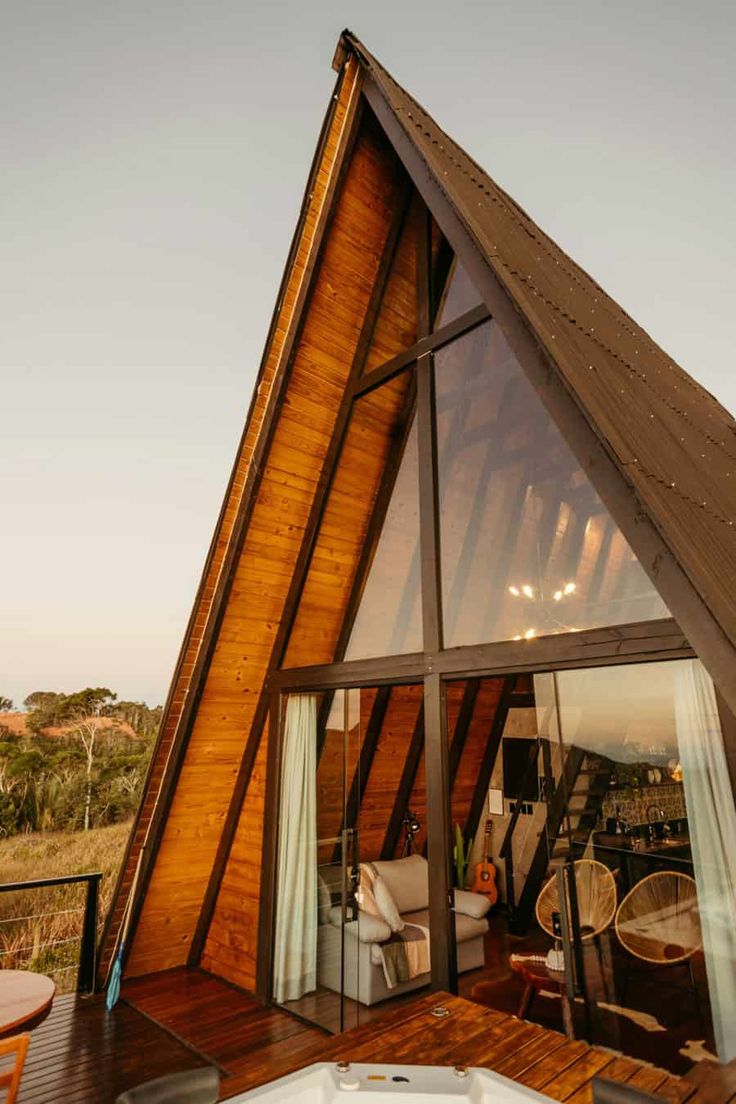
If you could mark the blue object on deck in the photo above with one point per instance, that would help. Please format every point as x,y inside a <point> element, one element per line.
<point>113,985</point>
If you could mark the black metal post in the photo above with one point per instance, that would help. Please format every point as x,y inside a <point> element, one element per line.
<point>88,949</point>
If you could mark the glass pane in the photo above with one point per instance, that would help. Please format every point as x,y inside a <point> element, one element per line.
<point>375,450</point>
<point>651,827</point>
<point>316,970</point>
<point>528,548</point>
<point>389,618</point>
<point>460,296</point>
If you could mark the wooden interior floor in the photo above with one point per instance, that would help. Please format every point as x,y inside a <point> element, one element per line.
<point>685,1024</point>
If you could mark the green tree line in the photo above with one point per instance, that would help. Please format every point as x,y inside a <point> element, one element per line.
<point>80,763</point>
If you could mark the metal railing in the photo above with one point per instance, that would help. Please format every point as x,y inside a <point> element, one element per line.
<point>87,939</point>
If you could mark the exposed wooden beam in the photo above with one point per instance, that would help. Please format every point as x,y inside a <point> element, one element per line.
<point>645,640</point>
<point>483,781</point>
<point>440,275</point>
<point>642,641</point>
<point>405,787</point>
<point>354,800</point>
<point>462,727</point>
<point>457,328</point>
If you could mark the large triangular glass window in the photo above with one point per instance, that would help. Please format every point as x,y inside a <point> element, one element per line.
<point>528,548</point>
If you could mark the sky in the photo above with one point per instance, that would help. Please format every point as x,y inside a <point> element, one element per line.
<point>154,157</point>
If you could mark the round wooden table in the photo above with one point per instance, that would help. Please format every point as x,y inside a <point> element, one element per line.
<point>25,1000</point>
<point>538,977</point>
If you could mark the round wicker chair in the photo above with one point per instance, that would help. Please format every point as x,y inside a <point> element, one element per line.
<point>658,920</point>
<point>596,893</point>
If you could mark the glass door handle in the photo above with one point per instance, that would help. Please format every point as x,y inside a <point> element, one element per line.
<point>351,879</point>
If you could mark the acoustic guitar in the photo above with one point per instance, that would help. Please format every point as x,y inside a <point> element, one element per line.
<point>485,872</point>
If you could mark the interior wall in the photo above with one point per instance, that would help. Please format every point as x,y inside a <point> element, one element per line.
<point>381,786</point>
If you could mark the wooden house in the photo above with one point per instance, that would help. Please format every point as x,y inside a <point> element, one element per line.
<point>476,561</point>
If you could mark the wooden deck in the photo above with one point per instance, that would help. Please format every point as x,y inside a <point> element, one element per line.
<point>186,1018</point>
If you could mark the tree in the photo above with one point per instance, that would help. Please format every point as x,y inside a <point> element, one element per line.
<point>84,714</point>
<point>43,709</point>
<point>6,704</point>
<point>143,720</point>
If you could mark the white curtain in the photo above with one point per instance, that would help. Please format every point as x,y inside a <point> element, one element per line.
<point>712,826</point>
<point>295,956</point>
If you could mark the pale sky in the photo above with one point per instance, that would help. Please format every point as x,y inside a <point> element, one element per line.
<point>153,161</point>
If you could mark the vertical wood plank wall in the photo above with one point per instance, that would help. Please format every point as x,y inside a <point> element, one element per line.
<point>319,375</point>
<point>292,469</point>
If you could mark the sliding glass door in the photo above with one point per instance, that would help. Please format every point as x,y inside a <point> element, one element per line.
<point>649,834</point>
<point>316,970</point>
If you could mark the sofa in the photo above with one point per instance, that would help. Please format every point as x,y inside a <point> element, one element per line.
<point>363,978</point>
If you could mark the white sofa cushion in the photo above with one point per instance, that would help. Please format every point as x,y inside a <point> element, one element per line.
<point>471,904</point>
<point>466,927</point>
<point>407,881</point>
<point>386,905</point>
<point>368,929</point>
<point>324,901</point>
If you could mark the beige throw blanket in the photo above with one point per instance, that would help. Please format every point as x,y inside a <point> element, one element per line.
<point>405,955</point>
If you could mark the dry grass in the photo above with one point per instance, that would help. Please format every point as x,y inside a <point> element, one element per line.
<point>40,929</point>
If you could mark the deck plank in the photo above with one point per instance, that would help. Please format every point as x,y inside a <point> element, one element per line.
<point>181,1019</point>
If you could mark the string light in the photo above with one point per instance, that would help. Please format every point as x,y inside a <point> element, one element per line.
<point>526,590</point>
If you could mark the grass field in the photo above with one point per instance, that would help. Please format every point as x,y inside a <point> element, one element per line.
<point>40,929</point>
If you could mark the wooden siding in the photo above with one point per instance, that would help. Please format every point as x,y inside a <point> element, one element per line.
<point>388,763</point>
<point>377,418</point>
<point>396,325</point>
<point>292,468</point>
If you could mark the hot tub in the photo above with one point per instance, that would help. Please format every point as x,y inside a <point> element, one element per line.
<point>327,1083</point>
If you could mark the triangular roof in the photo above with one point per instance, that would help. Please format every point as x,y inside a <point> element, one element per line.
<point>668,436</point>
<point>658,448</point>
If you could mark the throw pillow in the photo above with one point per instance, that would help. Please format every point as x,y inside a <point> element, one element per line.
<point>324,901</point>
<point>387,905</point>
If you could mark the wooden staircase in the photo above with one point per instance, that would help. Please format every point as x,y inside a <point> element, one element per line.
<point>574,803</point>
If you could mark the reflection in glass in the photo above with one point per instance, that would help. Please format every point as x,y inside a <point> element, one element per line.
<point>389,618</point>
<point>528,548</point>
<point>648,797</point>
<point>460,296</point>
<point>315,970</point>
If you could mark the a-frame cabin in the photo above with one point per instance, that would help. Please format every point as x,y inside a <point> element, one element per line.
<point>475,512</point>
